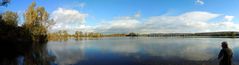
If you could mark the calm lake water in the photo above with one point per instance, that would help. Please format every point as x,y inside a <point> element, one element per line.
<point>141,51</point>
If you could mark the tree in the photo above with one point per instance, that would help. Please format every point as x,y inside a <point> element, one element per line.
<point>65,33</point>
<point>79,34</point>
<point>30,16</point>
<point>132,34</point>
<point>19,40</point>
<point>36,21</point>
<point>37,17</point>
<point>10,18</point>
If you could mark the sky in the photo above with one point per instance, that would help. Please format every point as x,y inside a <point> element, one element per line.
<point>141,16</point>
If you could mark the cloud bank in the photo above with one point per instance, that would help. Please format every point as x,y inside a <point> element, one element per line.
<point>68,19</point>
<point>195,21</point>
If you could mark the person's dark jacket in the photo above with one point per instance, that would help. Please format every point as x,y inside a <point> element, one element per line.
<point>226,56</point>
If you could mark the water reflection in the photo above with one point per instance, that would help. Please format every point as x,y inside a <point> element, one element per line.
<point>37,55</point>
<point>68,52</point>
<point>141,51</point>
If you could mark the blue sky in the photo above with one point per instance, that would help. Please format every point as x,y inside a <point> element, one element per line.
<point>123,16</point>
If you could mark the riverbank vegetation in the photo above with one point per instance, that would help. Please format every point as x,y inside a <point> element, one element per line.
<point>64,35</point>
<point>79,35</point>
<point>27,40</point>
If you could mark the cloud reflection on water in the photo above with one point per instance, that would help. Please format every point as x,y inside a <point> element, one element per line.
<point>181,48</point>
<point>191,49</point>
<point>67,52</point>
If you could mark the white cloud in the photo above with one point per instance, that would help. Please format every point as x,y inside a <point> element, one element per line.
<point>199,2</point>
<point>228,18</point>
<point>226,25</point>
<point>121,25</point>
<point>68,19</point>
<point>187,22</point>
<point>195,21</point>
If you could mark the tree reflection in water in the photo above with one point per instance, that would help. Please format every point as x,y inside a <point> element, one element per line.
<point>38,55</point>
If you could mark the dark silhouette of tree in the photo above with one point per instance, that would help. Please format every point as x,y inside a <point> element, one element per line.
<point>132,34</point>
<point>4,2</point>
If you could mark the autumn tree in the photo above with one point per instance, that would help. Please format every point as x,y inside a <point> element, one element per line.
<point>65,34</point>
<point>10,18</point>
<point>79,34</point>
<point>37,21</point>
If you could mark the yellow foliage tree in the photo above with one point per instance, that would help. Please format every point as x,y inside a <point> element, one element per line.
<point>36,21</point>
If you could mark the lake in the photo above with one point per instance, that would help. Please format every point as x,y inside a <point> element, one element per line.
<point>140,51</point>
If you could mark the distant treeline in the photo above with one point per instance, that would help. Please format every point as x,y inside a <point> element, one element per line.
<point>226,34</point>
<point>64,35</point>
<point>78,34</point>
<point>223,34</point>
